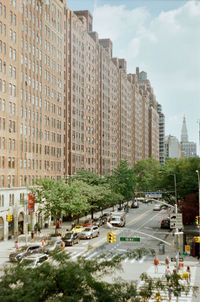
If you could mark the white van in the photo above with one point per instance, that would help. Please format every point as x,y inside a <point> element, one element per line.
<point>118,219</point>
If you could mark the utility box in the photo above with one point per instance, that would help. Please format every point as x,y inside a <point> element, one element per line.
<point>161,249</point>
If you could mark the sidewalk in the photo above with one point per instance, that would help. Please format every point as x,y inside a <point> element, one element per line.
<point>7,246</point>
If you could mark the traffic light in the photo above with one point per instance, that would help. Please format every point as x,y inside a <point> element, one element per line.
<point>9,217</point>
<point>111,237</point>
<point>197,220</point>
<point>114,237</point>
<point>196,239</point>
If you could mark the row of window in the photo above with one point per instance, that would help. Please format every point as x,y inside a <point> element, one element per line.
<point>28,97</point>
<point>10,178</point>
<point>28,64</point>
<point>1,200</point>
<point>52,121</point>
<point>11,126</point>
<point>2,28</point>
<point>26,113</point>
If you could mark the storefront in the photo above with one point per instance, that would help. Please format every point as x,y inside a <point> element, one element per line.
<point>191,231</point>
<point>10,229</point>
<point>21,224</point>
<point>1,228</point>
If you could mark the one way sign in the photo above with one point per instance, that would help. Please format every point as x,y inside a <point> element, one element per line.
<point>176,221</point>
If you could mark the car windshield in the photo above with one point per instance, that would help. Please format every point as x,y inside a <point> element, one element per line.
<point>28,262</point>
<point>22,248</point>
<point>115,218</point>
<point>88,229</point>
<point>68,235</point>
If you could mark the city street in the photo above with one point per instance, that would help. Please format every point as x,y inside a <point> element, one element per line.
<point>141,222</point>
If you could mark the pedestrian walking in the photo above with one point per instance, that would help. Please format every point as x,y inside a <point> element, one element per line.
<point>32,235</point>
<point>16,244</point>
<point>168,271</point>
<point>189,272</point>
<point>156,263</point>
<point>62,245</point>
<point>170,293</point>
<point>57,225</point>
<point>167,261</point>
<point>35,229</point>
<point>158,297</point>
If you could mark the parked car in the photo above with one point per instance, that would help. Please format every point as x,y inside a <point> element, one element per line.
<point>157,207</point>
<point>118,219</point>
<point>135,204</point>
<point>71,238</point>
<point>165,223</point>
<point>90,232</point>
<point>78,229</point>
<point>51,246</point>
<point>25,251</point>
<point>34,260</point>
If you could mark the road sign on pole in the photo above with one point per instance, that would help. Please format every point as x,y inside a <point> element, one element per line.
<point>176,221</point>
<point>137,239</point>
<point>153,194</point>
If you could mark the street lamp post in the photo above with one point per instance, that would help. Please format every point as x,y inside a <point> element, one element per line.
<point>176,233</point>
<point>197,171</point>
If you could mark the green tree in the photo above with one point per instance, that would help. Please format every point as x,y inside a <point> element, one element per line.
<point>122,180</point>
<point>147,175</point>
<point>88,177</point>
<point>51,195</point>
<point>63,280</point>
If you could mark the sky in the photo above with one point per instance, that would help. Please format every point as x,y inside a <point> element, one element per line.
<point>161,37</point>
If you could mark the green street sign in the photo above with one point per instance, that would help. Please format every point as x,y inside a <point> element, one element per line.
<point>130,239</point>
<point>183,253</point>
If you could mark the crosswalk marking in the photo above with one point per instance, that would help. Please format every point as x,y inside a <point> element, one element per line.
<point>164,295</point>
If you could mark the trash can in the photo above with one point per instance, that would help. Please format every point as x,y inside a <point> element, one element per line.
<point>162,249</point>
<point>46,225</point>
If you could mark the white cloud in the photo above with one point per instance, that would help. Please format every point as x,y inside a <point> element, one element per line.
<point>167,47</point>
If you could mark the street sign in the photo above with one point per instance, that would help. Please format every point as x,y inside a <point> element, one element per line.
<point>130,239</point>
<point>153,194</point>
<point>176,221</point>
<point>173,259</point>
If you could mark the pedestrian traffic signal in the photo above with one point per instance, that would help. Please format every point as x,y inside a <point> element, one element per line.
<point>196,239</point>
<point>111,237</point>
<point>197,220</point>
<point>9,217</point>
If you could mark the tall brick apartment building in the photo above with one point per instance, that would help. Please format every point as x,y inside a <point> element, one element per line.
<point>65,103</point>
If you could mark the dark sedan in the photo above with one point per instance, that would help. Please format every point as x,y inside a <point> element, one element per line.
<point>134,204</point>
<point>71,238</point>
<point>165,223</point>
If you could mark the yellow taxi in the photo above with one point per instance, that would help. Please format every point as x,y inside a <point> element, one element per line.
<point>78,229</point>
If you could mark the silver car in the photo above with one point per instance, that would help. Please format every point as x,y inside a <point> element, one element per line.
<point>90,232</point>
<point>51,246</point>
<point>34,260</point>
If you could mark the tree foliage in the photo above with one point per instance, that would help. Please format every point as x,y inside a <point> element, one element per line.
<point>147,175</point>
<point>122,180</point>
<point>63,280</point>
<point>88,177</point>
<point>52,196</point>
